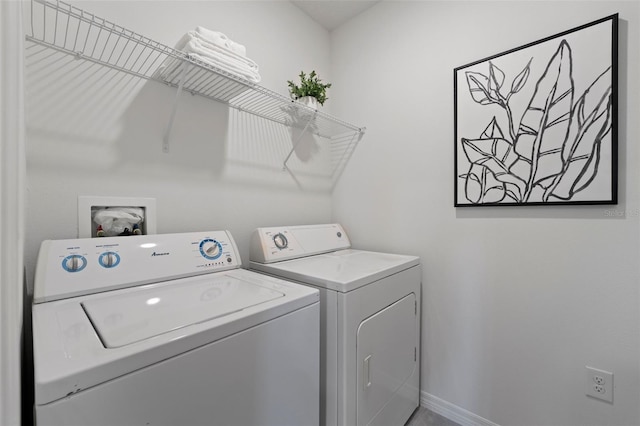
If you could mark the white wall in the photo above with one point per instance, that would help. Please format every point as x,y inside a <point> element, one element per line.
<point>517,300</point>
<point>96,131</point>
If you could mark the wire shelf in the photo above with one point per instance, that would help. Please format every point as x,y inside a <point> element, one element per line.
<point>71,30</point>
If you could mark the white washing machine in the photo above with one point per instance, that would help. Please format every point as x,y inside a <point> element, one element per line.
<point>168,330</point>
<point>369,320</point>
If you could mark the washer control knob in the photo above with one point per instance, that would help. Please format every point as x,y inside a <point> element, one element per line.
<point>280,241</point>
<point>109,259</point>
<point>210,249</point>
<point>74,263</point>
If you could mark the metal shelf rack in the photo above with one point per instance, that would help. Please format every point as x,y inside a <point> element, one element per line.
<point>66,28</point>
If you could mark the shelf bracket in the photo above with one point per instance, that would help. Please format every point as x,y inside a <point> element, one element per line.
<point>295,144</point>
<point>167,132</point>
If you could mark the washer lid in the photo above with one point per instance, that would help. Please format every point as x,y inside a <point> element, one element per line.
<point>342,270</point>
<point>122,319</point>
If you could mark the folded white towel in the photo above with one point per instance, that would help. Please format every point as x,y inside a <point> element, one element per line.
<point>214,49</point>
<point>221,40</point>
<point>217,57</point>
<point>221,58</point>
<point>193,41</point>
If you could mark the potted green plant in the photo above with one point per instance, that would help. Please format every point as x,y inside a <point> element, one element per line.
<point>310,90</point>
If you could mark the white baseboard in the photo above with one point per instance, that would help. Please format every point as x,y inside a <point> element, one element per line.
<point>452,411</point>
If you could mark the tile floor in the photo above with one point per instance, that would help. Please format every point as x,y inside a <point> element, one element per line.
<point>425,417</point>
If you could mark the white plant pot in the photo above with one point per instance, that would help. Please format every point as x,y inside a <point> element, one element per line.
<point>309,101</point>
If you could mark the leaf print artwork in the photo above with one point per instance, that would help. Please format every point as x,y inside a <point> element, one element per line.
<point>549,135</point>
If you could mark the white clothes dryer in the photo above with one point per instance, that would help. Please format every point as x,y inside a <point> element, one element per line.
<point>168,330</point>
<point>369,320</point>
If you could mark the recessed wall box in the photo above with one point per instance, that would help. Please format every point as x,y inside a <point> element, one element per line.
<point>88,205</point>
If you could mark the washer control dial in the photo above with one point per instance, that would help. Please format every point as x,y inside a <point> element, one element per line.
<point>210,249</point>
<point>109,259</point>
<point>280,241</point>
<point>74,263</point>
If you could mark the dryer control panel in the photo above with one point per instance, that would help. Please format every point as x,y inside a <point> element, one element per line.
<point>68,268</point>
<point>290,242</point>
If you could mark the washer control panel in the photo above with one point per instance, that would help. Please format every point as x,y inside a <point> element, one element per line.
<point>68,268</point>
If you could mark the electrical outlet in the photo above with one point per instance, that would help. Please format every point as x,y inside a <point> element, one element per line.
<point>600,384</point>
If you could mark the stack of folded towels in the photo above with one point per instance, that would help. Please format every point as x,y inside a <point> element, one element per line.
<point>216,49</point>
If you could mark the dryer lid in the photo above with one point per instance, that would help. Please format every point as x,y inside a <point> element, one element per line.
<point>122,319</point>
<point>342,270</point>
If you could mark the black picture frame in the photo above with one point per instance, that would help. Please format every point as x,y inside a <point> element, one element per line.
<point>538,124</point>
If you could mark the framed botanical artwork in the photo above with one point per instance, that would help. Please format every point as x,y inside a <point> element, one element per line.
<point>537,125</point>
